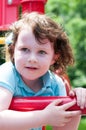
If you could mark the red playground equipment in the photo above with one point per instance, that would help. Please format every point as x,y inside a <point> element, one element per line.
<point>39,103</point>
<point>9,10</point>
<point>8,14</point>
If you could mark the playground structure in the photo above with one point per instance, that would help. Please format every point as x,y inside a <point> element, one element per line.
<point>9,12</point>
<point>39,103</point>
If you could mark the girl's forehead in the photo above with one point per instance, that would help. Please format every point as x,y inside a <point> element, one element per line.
<point>28,36</point>
<point>26,28</point>
<point>27,33</point>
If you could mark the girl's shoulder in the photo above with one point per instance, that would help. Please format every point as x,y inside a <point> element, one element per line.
<point>7,76</point>
<point>57,83</point>
<point>7,68</point>
<point>55,78</point>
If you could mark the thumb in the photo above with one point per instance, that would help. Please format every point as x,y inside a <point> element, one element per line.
<point>72,93</point>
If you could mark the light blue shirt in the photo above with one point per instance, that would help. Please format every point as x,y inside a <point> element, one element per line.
<point>11,80</point>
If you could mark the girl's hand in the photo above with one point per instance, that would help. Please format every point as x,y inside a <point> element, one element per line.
<point>57,115</point>
<point>80,94</point>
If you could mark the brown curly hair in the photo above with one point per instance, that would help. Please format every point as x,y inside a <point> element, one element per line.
<point>44,27</point>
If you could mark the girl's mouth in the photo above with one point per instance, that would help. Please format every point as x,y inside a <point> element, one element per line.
<point>31,68</point>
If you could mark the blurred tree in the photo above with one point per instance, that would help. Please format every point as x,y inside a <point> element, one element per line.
<point>2,48</point>
<point>72,16</point>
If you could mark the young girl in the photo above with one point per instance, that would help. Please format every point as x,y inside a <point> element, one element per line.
<point>38,45</point>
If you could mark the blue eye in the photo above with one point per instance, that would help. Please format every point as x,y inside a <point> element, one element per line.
<point>42,52</point>
<point>25,49</point>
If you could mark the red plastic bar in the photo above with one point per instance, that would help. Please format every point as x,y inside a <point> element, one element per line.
<point>8,13</point>
<point>33,5</point>
<point>39,103</point>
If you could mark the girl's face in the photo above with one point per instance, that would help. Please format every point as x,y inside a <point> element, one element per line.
<point>32,60</point>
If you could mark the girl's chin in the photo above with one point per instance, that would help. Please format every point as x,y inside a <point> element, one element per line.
<point>30,78</point>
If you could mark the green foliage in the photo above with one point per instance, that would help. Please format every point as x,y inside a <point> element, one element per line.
<point>72,16</point>
<point>2,54</point>
<point>2,48</point>
<point>82,125</point>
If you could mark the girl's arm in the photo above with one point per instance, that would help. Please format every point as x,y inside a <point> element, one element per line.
<point>53,114</point>
<point>80,94</point>
<point>14,120</point>
<point>73,124</point>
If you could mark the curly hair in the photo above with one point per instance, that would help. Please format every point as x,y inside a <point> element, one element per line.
<point>44,27</point>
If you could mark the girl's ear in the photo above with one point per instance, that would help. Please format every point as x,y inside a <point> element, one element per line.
<point>56,56</point>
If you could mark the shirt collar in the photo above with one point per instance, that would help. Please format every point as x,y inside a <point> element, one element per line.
<point>46,79</point>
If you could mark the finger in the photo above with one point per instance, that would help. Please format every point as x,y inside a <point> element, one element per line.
<point>56,102</point>
<point>85,98</point>
<point>70,114</point>
<point>67,119</point>
<point>72,93</point>
<point>78,95</point>
<point>81,97</point>
<point>68,105</point>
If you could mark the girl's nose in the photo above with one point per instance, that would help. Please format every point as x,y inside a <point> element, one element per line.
<point>32,58</point>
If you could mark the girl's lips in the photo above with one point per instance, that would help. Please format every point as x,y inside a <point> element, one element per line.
<point>31,68</point>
